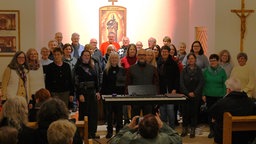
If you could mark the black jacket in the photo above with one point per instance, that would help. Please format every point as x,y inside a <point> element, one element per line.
<point>238,104</point>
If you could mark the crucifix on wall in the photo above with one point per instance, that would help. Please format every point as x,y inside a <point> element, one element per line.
<point>112,1</point>
<point>242,14</point>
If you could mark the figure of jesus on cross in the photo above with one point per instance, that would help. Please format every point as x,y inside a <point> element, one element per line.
<point>242,14</point>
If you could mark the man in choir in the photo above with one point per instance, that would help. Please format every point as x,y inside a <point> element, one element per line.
<point>151,43</point>
<point>123,49</point>
<point>52,44</point>
<point>58,38</point>
<point>142,73</point>
<point>111,40</point>
<point>96,53</point>
<point>77,47</point>
<point>139,45</point>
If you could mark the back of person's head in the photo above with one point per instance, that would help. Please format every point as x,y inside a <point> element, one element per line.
<point>42,95</point>
<point>51,110</point>
<point>233,84</point>
<point>61,132</point>
<point>15,111</point>
<point>8,135</point>
<point>148,127</point>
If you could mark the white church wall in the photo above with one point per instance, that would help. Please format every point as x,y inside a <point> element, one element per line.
<point>27,26</point>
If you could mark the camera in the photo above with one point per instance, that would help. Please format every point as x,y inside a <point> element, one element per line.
<point>155,109</point>
<point>138,120</point>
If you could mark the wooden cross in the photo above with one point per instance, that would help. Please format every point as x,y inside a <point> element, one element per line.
<point>242,14</point>
<point>112,1</point>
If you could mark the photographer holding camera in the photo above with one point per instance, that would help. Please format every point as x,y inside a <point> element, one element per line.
<point>150,130</point>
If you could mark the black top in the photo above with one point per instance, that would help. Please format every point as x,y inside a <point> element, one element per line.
<point>113,81</point>
<point>58,78</point>
<point>169,75</point>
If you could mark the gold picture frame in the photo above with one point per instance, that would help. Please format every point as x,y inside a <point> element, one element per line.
<point>9,32</point>
<point>112,19</point>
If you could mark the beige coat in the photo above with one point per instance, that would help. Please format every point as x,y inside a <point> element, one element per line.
<point>12,85</point>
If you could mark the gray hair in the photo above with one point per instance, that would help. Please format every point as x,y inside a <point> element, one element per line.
<point>233,84</point>
<point>15,110</point>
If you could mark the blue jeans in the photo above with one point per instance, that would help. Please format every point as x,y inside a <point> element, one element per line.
<point>167,114</point>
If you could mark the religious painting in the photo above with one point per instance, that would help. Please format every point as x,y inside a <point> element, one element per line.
<point>112,19</point>
<point>9,32</point>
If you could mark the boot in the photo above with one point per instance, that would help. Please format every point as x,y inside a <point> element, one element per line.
<point>211,134</point>
<point>192,132</point>
<point>109,134</point>
<point>184,131</point>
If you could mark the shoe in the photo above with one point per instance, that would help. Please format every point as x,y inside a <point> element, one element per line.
<point>109,135</point>
<point>184,132</point>
<point>211,134</point>
<point>192,133</point>
<point>93,136</point>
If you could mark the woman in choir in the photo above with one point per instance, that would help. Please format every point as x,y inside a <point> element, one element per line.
<point>69,59</point>
<point>130,58</point>
<point>58,78</point>
<point>36,77</point>
<point>126,62</point>
<point>113,84</point>
<point>45,52</point>
<point>110,48</point>
<point>15,80</point>
<point>173,53</point>
<point>245,74</point>
<point>157,51</point>
<point>35,71</point>
<point>226,62</point>
<point>201,58</point>
<point>150,57</point>
<point>88,86</point>
<point>191,84</point>
<point>182,51</point>
<point>214,87</point>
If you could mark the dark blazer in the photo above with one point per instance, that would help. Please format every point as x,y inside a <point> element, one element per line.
<point>169,75</point>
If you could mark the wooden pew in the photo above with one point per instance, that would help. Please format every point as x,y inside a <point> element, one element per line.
<point>82,127</point>
<point>236,123</point>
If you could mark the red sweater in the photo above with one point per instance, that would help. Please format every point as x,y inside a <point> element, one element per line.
<point>126,62</point>
<point>103,47</point>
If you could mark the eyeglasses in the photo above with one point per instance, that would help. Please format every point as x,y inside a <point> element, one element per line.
<point>213,60</point>
<point>20,57</point>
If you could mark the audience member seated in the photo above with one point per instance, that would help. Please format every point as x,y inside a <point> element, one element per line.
<point>238,104</point>
<point>52,110</point>
<point>8,135</point>
<point>150,130</point>
<point>61,132</point>
<point>40,96</point>
<point>15,114</point>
